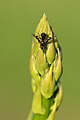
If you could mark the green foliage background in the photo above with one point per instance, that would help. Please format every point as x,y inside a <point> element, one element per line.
<point>18,19</point>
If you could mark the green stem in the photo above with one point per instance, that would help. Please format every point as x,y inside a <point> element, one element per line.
<point>47,103</point>
<point>46,70</point>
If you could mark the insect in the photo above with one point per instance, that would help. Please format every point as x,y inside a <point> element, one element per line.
<point>43,39</point>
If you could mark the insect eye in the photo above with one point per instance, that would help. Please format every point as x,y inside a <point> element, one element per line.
<point>43,34</point>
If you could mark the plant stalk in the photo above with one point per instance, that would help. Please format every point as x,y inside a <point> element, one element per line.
<point>46,70</point>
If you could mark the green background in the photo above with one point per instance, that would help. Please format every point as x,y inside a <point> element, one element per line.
<point>18,19</point>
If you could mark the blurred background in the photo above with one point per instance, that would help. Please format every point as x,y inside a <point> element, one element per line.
<point>18,19</point>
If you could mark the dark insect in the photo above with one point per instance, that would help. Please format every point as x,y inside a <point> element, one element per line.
<point>43,39</point>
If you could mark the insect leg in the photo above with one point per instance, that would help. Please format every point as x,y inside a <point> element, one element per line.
<point>36,37</point>
<point>49,38</point>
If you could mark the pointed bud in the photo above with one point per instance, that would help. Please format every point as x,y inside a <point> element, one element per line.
<point>50,53</point>
<point>46,69</point>
<point>34,86</point>
<point>35,47</point>
<point>57,66</point>
<point>47,85</point>
<point>33,70</point>
<point>59,96</point>
<point>43,26</point>
<point>41,63</point>
<point>37,99</point>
